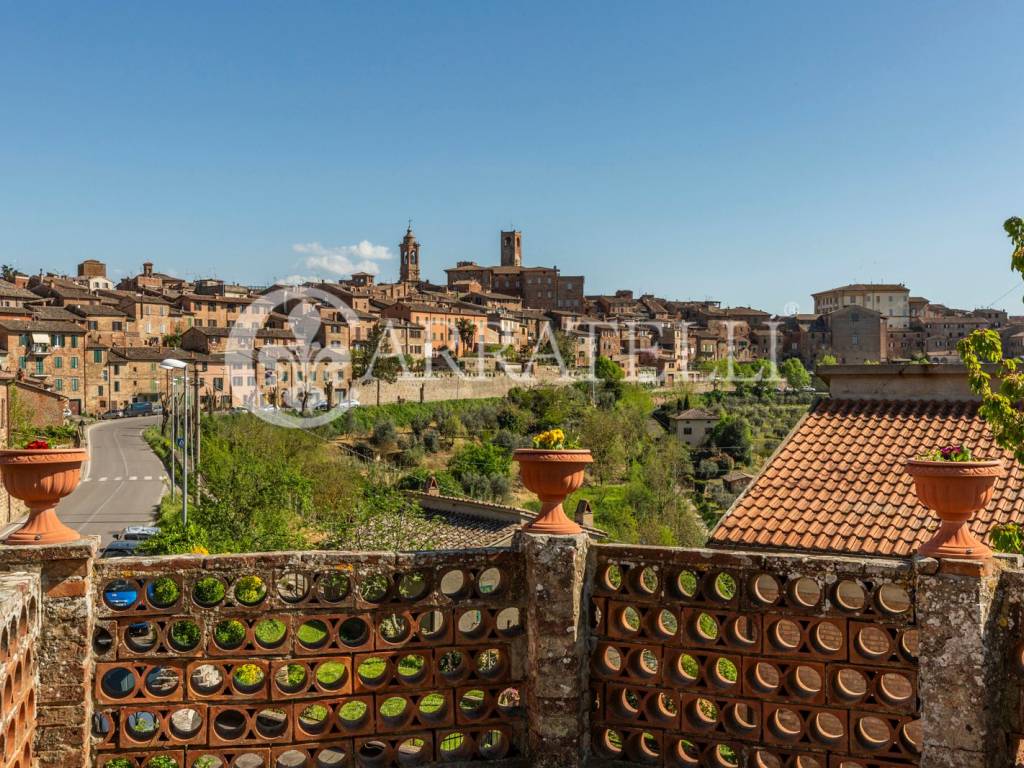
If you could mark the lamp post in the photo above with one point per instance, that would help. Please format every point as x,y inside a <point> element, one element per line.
<point>171,364</point>
<point>174,428</point>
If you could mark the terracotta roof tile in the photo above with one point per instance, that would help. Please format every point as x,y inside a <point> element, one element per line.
<point>838,485</point>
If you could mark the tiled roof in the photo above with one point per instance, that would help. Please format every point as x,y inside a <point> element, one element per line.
<point>96,310</point>
<point>837,483</point>
<point>11,291</point>
<point>46,312</point>
<point>41,326</point>
<point>695,413</point>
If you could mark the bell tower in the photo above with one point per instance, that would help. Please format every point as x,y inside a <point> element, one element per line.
<point>409,250</point>
<point>512,249</point>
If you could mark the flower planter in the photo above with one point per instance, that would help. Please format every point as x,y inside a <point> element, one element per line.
<point>552,475</point>
<point>955,490</point>
<point>41,478</point>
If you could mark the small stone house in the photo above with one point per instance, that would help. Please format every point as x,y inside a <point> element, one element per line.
<point>694,425</point>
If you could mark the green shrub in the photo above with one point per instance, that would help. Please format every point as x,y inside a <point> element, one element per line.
<point>249,590</point>
<point>295,675</point>
<point>161,761</point>
<point>208,591</point>
<point>248,675</point>
<point>118,762</point>
<point>269,632</point>
<point>164,592</point>
<point>185,635</point>
<point>229,634</point>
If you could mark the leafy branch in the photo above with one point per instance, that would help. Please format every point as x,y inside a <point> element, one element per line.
<point>1000,405</point>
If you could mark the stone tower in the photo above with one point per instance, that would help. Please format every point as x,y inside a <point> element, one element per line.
<point>512,249</point>
<point>410,257</point>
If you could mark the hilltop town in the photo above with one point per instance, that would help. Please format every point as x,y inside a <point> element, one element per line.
<point>98,344</point>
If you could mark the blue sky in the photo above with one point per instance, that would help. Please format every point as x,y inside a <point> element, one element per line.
<point>750,152</point>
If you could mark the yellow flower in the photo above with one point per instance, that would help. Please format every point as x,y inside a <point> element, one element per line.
<point>200,550</point>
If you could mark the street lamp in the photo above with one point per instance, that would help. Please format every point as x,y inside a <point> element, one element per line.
<point>171,364</point>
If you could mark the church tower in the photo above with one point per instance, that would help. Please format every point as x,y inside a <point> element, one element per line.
<point>409,250</point>
<point>512,249</point>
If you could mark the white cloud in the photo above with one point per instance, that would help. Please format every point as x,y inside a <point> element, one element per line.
<point>343,260</point>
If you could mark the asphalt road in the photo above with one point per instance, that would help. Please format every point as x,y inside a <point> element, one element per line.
<point>122,482</point>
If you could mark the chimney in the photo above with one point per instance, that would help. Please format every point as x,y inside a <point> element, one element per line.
<point>147,268</point>
<point>431,487</point>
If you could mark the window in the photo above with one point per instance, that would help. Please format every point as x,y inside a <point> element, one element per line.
<point>93,325</point>
<point>74,342</point>
<point>39,368</point>
<point>236,381</point>
<point>117,325</point>
<point>74,385</point>
<point>99,390</point>
<point>687,430</point>
<point>22,362</point>
<point>58,384</point>
<point>97,355</point>
<point>855,339</point>
<point>74,362</point>
<point>117,386</point>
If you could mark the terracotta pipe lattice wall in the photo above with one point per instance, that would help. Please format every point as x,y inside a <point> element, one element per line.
<point>309,660</point>
<point>19,630</point>
<point>720,659</point>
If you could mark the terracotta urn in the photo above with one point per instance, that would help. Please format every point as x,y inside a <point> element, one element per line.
<point>41,478</point>
<point>552,475</point>
<point>955,490</point>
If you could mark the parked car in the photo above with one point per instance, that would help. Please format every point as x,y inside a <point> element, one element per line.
<point>141,408</point>
<point>157,409</point>
<point>119,548</point>
<point>137,533</point>
<point>113,413</point>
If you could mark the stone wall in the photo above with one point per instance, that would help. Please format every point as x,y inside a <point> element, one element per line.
<point>441,386</point>
<point>19,634</point>
<point>554,652</point>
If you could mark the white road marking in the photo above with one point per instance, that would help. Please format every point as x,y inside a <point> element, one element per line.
<point>148,477</point>
<point>103,480</point>
<point>116,479</point>
<point>133,477</point>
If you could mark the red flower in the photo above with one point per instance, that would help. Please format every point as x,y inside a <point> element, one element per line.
<point>38,445</point>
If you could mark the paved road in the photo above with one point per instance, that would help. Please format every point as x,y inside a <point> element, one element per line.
<point>121,484</point>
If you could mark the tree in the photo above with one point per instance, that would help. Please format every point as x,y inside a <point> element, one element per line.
<point>602,431</point>
<point>793,371</point>
<point>467,335</point>
<point>827,359</point>
<point>8,272</point>
<point>375,359</point>
<point>732,435</point>
<point>172,340</point>
<point>608,370</point>
<point>484,459</point>
<point>1001,407</point>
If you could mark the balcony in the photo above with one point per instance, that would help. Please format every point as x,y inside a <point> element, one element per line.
<point>553,652</point>
<point>40,350</point>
